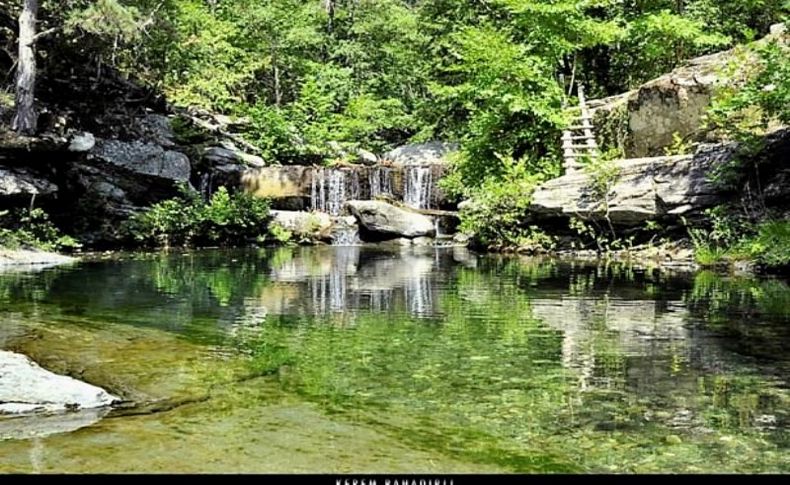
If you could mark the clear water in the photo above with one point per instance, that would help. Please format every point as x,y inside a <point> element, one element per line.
<point>360,359</point>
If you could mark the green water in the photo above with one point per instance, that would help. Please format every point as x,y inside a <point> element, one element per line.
<point>403,360</point>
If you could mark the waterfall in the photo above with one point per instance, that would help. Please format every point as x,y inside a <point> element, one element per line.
<point>205,185</point>
<point>418,187</point>
<point>328,191</point>
<point>380,180</point>
<point>344,235</point>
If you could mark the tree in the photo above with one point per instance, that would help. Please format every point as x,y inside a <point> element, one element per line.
<point>104,19</point>
<point>26,118</point>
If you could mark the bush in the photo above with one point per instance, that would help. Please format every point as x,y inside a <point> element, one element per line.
<point>31,228</point>
<point>771,246</point>
<point>227,220</point>
<point>498,210</point>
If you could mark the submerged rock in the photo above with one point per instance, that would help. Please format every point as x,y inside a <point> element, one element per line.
<point>26,388</point>
<point>385,220</point>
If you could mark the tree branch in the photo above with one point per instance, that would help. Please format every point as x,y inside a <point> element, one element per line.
<point>44,33</point>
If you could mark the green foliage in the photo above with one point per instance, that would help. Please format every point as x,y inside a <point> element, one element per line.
<point>679,146</point>
<point>31,228</point>
<point>771,245</point>
<point>729,236</point>
<point>603,175</point>
<point>228,220</point>
<point>498,209</point>
<point>280,234</point>
<point>106,18</point>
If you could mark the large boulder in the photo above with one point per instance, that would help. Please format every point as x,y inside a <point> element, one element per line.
<point>642,122</point>
<point>382,220</point>
<point>431,153</point>
<point>645,189</point>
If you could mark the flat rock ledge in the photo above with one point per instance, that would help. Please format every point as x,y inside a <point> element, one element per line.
<point>27,258</point>
<point>26,388</point>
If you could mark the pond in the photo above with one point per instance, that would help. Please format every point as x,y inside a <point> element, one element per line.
<point>390,359</point>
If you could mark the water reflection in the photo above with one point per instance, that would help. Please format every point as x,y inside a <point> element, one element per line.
<point>498,357</point>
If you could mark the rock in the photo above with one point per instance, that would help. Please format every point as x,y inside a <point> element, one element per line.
<point>223,155</point>
<point>646,189</point>
<point>468,204</point>
<point>462,239</point>
<point>423,241</point>
<point>82,142</point>
<point>366,158</point>
<point>288,187</point>
<point>144,158</point>
<point>27,259</point>
<point>344,231</point>
<point>644,121</point>
<point>302,224</point>
<point>778,29</point>
<point>431,153</point>
<point>155,128</point>
<point>26,388</point>
<point>21,182</point>
<point>383,219</point>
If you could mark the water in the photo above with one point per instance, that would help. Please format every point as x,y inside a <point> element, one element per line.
<point>380,180</point>
<point>360,359</point>
<point>328,190</point>
<point>418,187</point>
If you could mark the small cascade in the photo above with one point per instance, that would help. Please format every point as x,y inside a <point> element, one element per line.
<point>205,185</point>
<point>380,180</point>
<point>437,228</point>
<point>418,187</point>
<point>328,191</point>
<point>345,235</point>
<point>355,188</point>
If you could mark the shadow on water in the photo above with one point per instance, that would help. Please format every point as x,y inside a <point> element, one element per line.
<point>469,362</point>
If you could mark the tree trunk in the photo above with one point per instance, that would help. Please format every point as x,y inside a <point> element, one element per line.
<point>278,95</point>
<point>26,118</point>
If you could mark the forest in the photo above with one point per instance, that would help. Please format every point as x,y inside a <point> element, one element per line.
<point>313,81</point>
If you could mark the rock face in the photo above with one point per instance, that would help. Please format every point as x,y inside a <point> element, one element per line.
<point>26,388</point>
<point>144,158</point>
<point>646,189</point>
<point>21,182</point>
<point>388,221</point>
<point>643,122</point>
<point>431,153</point>
<point>289,187</point>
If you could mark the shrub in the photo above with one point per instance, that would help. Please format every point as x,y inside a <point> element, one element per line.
<point>188,220</point>
<point>771,246</point>
<point>31,228</point>
<point>498,210</point>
